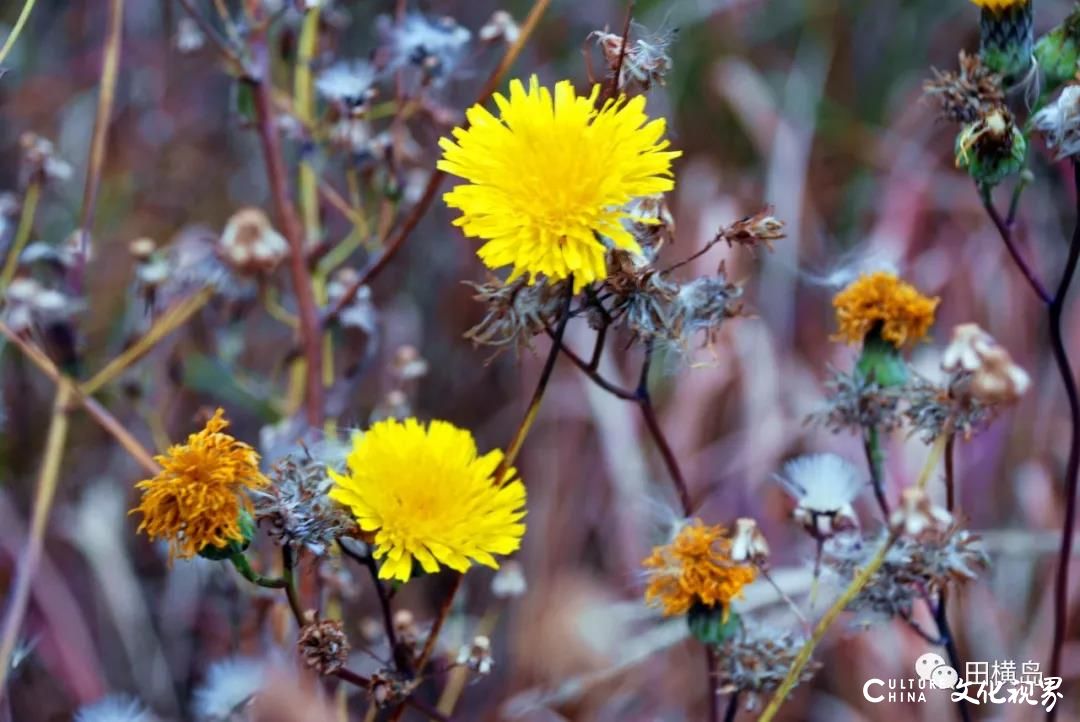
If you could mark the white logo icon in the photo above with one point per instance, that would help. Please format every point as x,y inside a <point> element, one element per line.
<point>932,668</point>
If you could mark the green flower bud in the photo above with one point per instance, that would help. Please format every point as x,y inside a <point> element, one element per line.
<point>1058,52</point>
<point>992,148</point>
<point>1006,39</point>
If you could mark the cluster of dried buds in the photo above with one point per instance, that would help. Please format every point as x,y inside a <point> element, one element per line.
<point>641,62</point>
<point>756,663</point>
<point>297,510</point>
<point>323,646</point>
<point>516,312</point>
<point>966,94</point>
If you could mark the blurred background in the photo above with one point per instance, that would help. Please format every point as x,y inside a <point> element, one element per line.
<point>814,108</point>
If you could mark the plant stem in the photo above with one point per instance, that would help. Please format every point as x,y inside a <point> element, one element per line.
<point>19,595</point>
<point>875,459</point>
<point>110,66</point>
<point>22,233</point>
<point>1055,306</point>
<point>20,23</point>
<point>732,708</point>
<point>166,324</point>
<point>1061,357</point>
<point>644,401</point>
<point>99,413</point>
<point>244,567</point>
<point>823,625</point>
<point>270,140</point>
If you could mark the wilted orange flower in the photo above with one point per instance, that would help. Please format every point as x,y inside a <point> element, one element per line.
<point>197,498</point>
<point>882,299</point>
<point>695,568</point>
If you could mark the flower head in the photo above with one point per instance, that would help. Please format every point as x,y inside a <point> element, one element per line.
<point>881,299</point>
<point>197,498</point>
<point>427,495</point>
<point>230,686</point>
<point>824,485</point>
<point>975,357</point>
<point>695,568</point>
<point>551,174</point>
<point>350,82</point>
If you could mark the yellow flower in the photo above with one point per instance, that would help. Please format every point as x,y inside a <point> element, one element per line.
<point>553,173</point>
<point>196,500</point>
<point>999,5</point>
<point>695,568</point>
<point>427,495</point>
<point>881,299</point>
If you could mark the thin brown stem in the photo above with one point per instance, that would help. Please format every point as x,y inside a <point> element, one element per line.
<point>310,337</point>
<point>644,400</point>
<point>110,66</point>
<point>99,413</point>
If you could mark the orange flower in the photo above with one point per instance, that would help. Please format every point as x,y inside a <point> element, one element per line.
<point>695,568</point>
<point>904,314</point>
<point>196,500</point>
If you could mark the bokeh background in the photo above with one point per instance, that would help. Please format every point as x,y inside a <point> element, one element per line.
<point>814,108</point>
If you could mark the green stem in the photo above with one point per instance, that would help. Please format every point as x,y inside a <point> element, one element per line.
<point>241,563</point>
<point>28,6</point>
<point>22,233</point>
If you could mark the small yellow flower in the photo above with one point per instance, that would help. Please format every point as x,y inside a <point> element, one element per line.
<point>196,500</point>
<point>881,299</point>
<point>695,568</point>
<point>551,174</point>
<point>427,495</point>
<point>999,5</point>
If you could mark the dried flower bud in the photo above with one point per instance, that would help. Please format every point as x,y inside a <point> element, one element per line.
<point>918,515</point>
<point>748,543</point>
<point>509,581</point>
<point>324,646</point>
<point>645,61</point>
<point>760,229</point>
<point>250,244</point>
<point>39,159</point>
<point>1059,121</point>
<point>409,365</point>
<point>500,27</point>
<point>964,95</point>
<point>477,656</point>
<point>388,688</point>
<point>986,370</point>
<point>348,82</point>
<point>360,312</point>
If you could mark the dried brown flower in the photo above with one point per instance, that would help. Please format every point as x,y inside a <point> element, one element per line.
<point>516,312</point>
<point>757,662</point>
<point>760,229</point>
<point>324,646</point>
<point>965,94</point>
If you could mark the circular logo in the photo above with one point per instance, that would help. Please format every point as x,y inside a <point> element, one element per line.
<point>931,668</point>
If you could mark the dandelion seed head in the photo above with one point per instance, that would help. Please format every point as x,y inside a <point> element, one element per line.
<point>350,82</point>
<point>230,686</point>
<point>822,483</point>
<point>115,708</point>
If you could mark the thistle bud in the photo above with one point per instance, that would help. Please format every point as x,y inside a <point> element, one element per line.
<point>1058,52</point>
<point>1006,37</point>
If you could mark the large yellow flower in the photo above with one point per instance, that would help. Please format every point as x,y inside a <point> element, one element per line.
<point>427,495</point>
<point>196,500</point>
<point>882,300</point>
<point>695,568</point>
<point>551,174</point>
